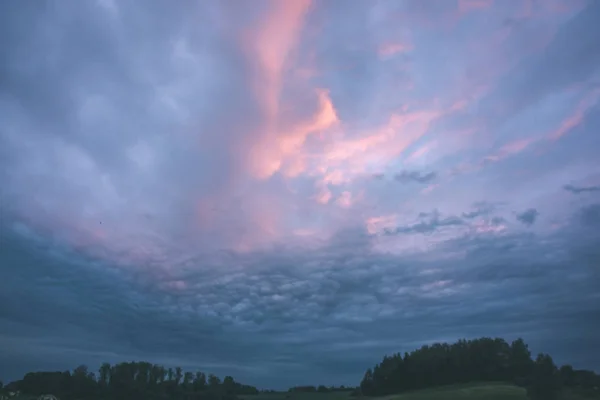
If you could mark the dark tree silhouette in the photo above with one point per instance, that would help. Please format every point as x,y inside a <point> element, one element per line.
<point>130,380</point>
<point>479,360</point>
<point>466,361</point>
<point>545,380</point>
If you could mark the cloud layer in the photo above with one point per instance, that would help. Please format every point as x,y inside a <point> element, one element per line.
<point>285,192</point>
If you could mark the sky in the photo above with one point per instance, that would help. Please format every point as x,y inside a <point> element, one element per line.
<point>286,191</point>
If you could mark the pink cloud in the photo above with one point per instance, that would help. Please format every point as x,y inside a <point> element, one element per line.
<point>345,199</point>
<point>466,6</point>
<point>291,143</point>
<point>306,142</point>
<point>352,157</point>
<point>577,116</point>
<point>389,49</point>
<point>484,226</point>
<point>515,147</point>
<point>421,151</point>
<point>324,195</point>
<point>281,150</point>
<point>379,223</point>
<point>429,188</point>
<point>272,43</point>
<point>508,150</point>
<point>550,7</point>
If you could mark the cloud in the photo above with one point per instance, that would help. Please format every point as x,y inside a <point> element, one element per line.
<point>577,117</point>
<point>541,74</point>
<point>326,294</point>
<point>581,189</point>
<point>470,5</point>
<point>480,208</point>
<point>415,176</point>
<point>430,223</point>
<point>201,184</point>
<point>528,217</point>
<point>590,215</point>
<point>390,49</point>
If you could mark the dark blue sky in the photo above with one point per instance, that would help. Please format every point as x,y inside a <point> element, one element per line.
<point>287,191</point>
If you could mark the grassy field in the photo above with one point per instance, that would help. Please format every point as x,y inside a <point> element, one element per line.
<point>484,391</point>
<point>466,392</point>
<point>481,391</point>
<point>301,396</point>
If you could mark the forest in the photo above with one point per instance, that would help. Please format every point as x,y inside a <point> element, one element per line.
<point>479,360</point>
<point>439,364</point>
<point>130,380</point>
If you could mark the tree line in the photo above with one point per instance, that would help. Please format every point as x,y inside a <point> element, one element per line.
<point>131,381</point>
<point>479,360</point>
<point>466,361</point>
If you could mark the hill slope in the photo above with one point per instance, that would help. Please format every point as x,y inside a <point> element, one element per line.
<point>482,391</point>
<point>492,391</point>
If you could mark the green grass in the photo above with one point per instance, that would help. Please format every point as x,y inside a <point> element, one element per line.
<point>474,391</point>
<point>300,396</point>
<point>493,391</point>
<point>484,391</point>
<point>576,394</point>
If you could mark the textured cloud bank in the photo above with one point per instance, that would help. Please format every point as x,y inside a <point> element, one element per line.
<point>288,191</point>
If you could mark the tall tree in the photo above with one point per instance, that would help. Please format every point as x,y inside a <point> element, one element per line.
<point>521,364</point>
<point>200,381</point>
<point>104,373</point>
<point>367,386</point>
<point>545,381</point>
<point>178,375</point>
<point>213,381</point>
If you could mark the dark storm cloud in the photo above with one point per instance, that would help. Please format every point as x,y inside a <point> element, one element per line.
<point>528,217</point>
<point>581,189</point>
<point>590,215</point>
<point>351,310</point>
<point>415,176</point>
<point>480,209</point>
<point>429,223</point>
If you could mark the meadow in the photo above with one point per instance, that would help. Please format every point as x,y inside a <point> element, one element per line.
<point>462,392</point>
<point>480,391</point>
<point>299,396</point>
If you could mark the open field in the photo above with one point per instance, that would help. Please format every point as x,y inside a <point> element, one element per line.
<point>489,391</point>
<point>466,392</point>
<point>462,392</point>
<point>477,391</point>
<point>300,396</point>
<point>483,391</point>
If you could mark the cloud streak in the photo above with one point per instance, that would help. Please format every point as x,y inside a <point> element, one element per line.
<point>581,189</point>
<point>415,176</point>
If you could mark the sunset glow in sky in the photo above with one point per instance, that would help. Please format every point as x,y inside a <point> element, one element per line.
<point>285,191</point>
